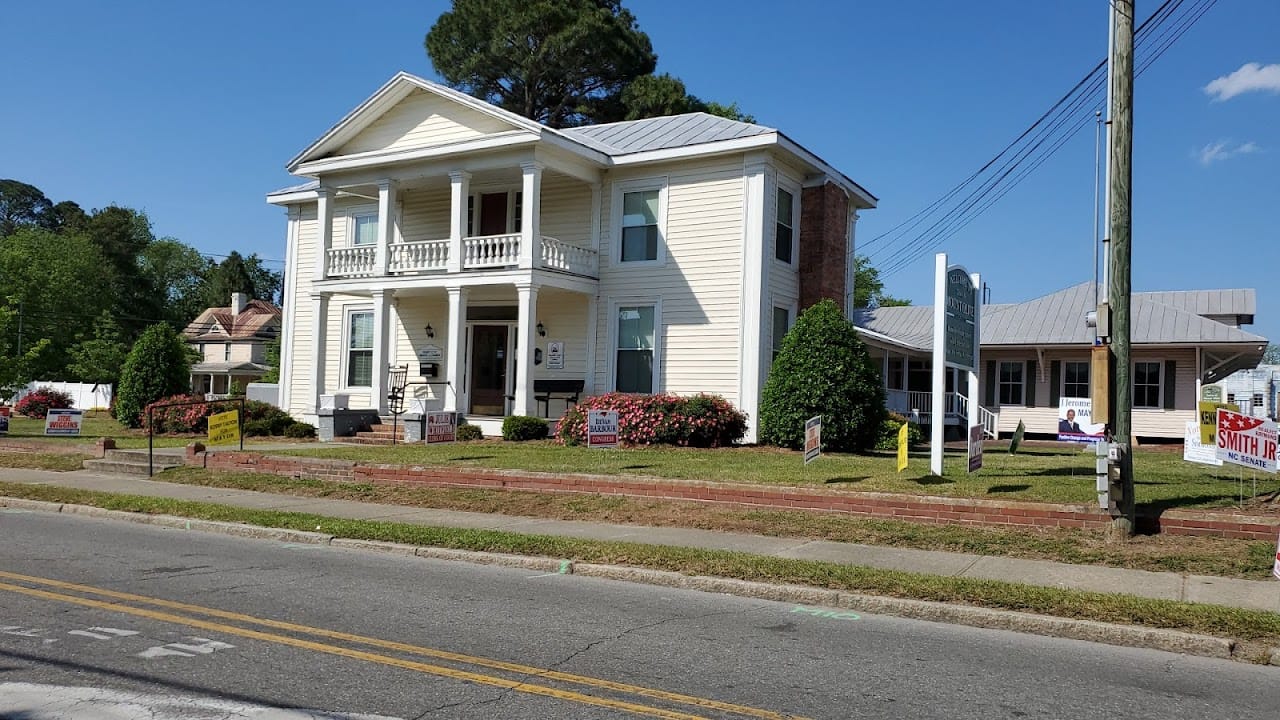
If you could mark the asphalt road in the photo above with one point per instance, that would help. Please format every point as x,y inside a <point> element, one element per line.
<point>100,619</point>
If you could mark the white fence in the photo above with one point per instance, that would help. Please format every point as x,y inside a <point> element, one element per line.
<point>84,396</point>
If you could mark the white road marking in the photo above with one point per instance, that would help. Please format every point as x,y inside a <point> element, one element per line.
<point>114,631</point>
<point>86,633</point>
<point>205,647</point>
<point>102,633</point>
<point>83,703</point>
<point>20,631</point>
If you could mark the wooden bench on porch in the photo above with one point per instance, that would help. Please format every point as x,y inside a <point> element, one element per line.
<point>546,390</point>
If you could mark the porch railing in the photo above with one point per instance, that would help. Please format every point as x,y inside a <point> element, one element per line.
<point>558,255</point>
<point>419,256</point>
<point>355,261</point>
<point>919,404</point>
<point>491,251</point>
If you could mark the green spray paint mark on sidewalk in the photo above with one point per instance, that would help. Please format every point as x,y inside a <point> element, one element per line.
<point>829,614</point>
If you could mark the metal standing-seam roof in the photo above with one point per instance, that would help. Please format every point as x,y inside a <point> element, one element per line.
<point>1058,319</point>
<point>662,133</point>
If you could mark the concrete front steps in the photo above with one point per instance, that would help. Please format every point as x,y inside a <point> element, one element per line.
<point>380,434</point>
<point>132,462</point>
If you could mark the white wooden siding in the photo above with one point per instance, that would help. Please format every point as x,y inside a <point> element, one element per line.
<point>301,398</point>
<point>425,215</point>
<point>566,210</point>
<point>409,335</point>
<point>564,314</point>
<point>699,285</point>
<point>784,278</point>
<point>423,120</point>
<point>336,348</point>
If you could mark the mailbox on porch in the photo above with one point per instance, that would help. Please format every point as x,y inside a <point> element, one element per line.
<point>429,358</point>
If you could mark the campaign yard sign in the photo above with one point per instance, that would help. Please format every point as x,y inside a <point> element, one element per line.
<point>602,428</point>
<point>224,428</point>
<point>1195,451</point>
<point>1247,441</point>
<point>975,447</point>
<point>812,438</point>
<point>63,422</point>
<point>1075,421</point>
<point>5,410</point>
<point>442,427</point>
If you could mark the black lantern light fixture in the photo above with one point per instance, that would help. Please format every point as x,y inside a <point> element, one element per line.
<point>431,332</point>
<point>542,330</point>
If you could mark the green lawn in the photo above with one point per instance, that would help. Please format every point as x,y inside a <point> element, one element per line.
<point>1046,473</point>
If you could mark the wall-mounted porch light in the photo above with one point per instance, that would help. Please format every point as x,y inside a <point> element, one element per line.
<point>430,331</point>
<point>542,330</point>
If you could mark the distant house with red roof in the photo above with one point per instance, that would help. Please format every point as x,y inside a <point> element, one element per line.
<point>232,343</point>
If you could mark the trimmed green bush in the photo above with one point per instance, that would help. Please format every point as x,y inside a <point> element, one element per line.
<point>257,428</point>
<point>159,365</point>
<point>300,430</point>
<point>469,432</point>
<point>523,427</point>
<point>662,419</point>
<point>823,369</point>
<point>889,433</point>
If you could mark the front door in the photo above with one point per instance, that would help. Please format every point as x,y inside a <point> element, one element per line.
<point>493,214</point>
<point>489,370</point>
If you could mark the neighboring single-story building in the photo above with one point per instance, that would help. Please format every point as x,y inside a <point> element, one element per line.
<point>1253,390</point>
<point>232,343</point>
<point>1037,352</point>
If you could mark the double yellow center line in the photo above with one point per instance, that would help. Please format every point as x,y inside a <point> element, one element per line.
<point>689,701</point>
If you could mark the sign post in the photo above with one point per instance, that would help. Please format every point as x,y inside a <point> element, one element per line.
<point>812,438</point>
<point>602,428</point>
<point>957,317</point>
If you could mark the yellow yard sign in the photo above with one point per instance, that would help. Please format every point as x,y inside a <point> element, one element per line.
<point>902,447</point>
<point>1208,412</point>
<point>224,428</point>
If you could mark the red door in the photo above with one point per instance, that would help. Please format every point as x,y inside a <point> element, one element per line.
<point>493,214</point>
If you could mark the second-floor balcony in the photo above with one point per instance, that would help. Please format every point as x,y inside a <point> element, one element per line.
<point>489,252</point>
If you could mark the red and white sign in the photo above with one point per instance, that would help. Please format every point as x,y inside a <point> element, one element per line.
<point>442,427</point>
<point>1247,441</point>
<point>1275,570</point>
<point>602,428</point>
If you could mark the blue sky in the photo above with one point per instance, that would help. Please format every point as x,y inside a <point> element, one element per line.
<point>190,111</point>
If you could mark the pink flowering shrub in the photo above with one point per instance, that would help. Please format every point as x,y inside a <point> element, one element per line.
<point>663,419</point>
<point>195,418</point>
<point>38,403</point>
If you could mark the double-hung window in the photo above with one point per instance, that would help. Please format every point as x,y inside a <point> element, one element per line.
<point>1011,382</point>
<point>784,232</point>
<point>640,225</point>
<point>633,371</point>
<point>364,229</point>
<point>1146,384</point>
<point>1075,379</point>
<point>781,324</point>
<point>360,349</point>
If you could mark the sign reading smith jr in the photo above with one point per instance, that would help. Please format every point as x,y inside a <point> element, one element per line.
<point>960,319</point>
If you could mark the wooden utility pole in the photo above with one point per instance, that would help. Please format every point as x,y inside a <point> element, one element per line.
<point>1120,187</point>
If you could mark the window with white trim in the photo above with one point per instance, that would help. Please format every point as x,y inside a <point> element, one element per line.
<point>359,349</point>
<point>364,229</point>
<point>640,232</point>
<point>784,227</point>
<point>1258,401</point>
<point>1075,379</point>
<point>634,368</point>
<point>1010,381</point>
<point>1146,384</point>
<point>226,351</point>
<point>781,324</point>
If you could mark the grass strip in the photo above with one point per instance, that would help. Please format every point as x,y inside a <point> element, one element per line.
<point>60,462</point>
<point>1235,623</point>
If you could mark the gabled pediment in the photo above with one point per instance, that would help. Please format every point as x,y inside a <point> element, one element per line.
<point>410,113</point>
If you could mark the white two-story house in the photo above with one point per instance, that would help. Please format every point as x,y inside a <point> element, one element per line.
<point>496,257</point>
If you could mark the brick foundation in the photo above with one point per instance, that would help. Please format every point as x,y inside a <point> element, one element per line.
<point>924,509</point>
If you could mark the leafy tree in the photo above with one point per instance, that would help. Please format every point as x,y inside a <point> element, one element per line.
<point>868,289</point>
<point>98,359</point>
<point>549,60</point>
<point>237,273</point>
<point>657,95</point>
<point>823,369</point>
<point>1272,355</point>
<point>272,357</point>
<point>175,273</point>
<point>159,365</point>
<point>67,216</point>
<point>21,205</point>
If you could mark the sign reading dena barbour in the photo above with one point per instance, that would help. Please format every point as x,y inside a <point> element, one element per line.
<point>602,428</point>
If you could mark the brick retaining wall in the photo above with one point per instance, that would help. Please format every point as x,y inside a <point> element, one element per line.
<point>913,508</point>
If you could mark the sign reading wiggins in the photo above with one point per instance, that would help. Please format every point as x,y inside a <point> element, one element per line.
<point>960,318</point>
<point>224,428</point>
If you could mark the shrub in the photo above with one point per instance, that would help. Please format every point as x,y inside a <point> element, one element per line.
<point>663,419</point>
<point>523,427</point>
<point>823,369</point>
<point>37,404</point>
<point>257,428</point>
<point>183,418</point>
<point>300,430</point>
<point>158,366</point>
<point>888,439</point>
<point>469,432</point>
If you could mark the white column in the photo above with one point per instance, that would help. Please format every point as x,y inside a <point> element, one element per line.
<point>289,297</point>
<point>589,358</point>
<point>324,217</point>
<point>975,397</point>
<point>937,419</point>
<point>386,225</point>
<point>459,191</point>
<point>378,388</point>
<point>319,320</point>
<point>530,233</point>
<point>849,275</point>
<point>526,319</point>
<point>455,356</point>
<point>754,280</point>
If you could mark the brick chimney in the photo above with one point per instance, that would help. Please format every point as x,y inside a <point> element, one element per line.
<point>824,235</point>
<point>239,301</point>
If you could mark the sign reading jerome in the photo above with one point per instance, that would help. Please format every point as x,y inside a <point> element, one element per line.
<point>63,422</point>
<point>960,318</point>
<point>602,428</point>
<point>442,427</point>
<point>1247,441</point>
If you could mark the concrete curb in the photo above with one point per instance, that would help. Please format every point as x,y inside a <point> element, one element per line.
<point>1087,630</point>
